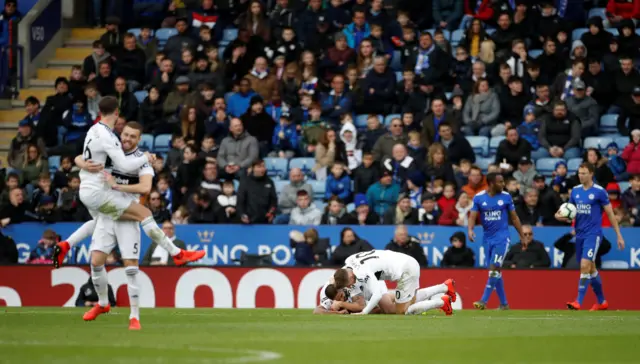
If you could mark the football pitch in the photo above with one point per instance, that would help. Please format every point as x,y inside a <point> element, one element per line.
<point>58,335</point>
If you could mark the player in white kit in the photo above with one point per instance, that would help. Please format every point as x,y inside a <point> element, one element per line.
<point>368,268</point>
<point>352,299</point>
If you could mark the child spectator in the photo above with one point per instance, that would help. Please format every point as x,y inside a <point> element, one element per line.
<point>366,174</point>
<point>77,81</point>
<point>448,199</point>
<point>415,148</point>
<point>461,66</point>
<point>459,215</point>
<point>428,213</point>
<point>415,187</point>
<point>560,181</point>
<point>61,177</point>
<point>43,252</point>
<point>70,204</point>
<point>93,99</point>
<point>381,46</point>
<point>226,204</point>
<point>43,191</point>
<point>163,188</point>
<point>175,155</point>
<point>617,165</point>
<point>409,123</point>
<point>12,181</point>
<point>512,186</point>
<point>462,174</point>
<point>408,45</point>
<point>348,135</point>
<point>530,128</point>
<point>441,41</point>
<point>285,139</point>
<point>208,148</point>
<point>458,255</point>
<point>338,183</point>
<point>313,130</point>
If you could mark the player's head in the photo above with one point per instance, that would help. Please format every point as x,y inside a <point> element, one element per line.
<point>495,182</point>
<point>334,293</point>
<point>130,136</point>
<point>344,278</point>
<point>585,173</point>
<point>108,107</point>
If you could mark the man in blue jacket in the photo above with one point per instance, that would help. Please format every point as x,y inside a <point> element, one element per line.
<point>357,31</point>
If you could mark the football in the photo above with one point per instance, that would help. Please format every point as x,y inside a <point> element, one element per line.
<point>568,210</point>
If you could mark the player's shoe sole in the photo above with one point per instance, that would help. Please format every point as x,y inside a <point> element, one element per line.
<point>96,311</point>
<point>479,305</point>
<point>187,256</point>
<point>60,251</point>
<point>573,306</point>
<point>600,306</point>
<point>446,308</point>
<point>134,324</point>
<point>451,289</point>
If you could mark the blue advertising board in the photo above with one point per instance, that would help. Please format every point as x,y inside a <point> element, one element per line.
<point>46,25</point>
<point>224,243</point>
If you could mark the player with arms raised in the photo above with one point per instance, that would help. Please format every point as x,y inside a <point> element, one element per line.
<point>368,268</point>
<point>495,208</point>
<point>590,199</point>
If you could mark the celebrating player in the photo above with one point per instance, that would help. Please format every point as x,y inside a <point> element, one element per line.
<point>352,299</point>
<point>100,145</point>
<point>495,207</point>
<point>368,268</point>
<point>590,199</point>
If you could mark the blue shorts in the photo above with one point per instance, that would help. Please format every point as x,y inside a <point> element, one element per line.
<point>496,252</point>
<point>587,247</point>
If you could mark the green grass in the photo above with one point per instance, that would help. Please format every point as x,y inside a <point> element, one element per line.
<point>52,335</point>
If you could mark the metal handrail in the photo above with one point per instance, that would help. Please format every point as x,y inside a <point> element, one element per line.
<point>5,71</point>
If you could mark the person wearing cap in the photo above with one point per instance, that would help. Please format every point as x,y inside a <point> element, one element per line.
<point>362,215</point>
<point>511,150</point>
<point>559,134</point>
<point>525,173</point>
<point>585,108</point>
<point>257,198</point>
<point>402,213</point>
<point>383,194</point>
<point>615,162</point>
<point>47,210</point>
<point>629,118</point>
<point>112,39</point>
<point>176,43</point>
<point>176,99</point>
<point>25,137</point>
<point>402,242</point>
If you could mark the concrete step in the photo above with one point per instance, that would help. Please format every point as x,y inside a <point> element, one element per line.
<point>12,116</point>
<point>52,73</point>
<point>79,42</point>
<point>64,63</point>
<point>77,54</point>
<point>87,33</point>
<point>5,138</point>
<point>37,83</point>
<point>40,93</point>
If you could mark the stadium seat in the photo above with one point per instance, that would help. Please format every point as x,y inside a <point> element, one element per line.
<point>164,34</point>
<point>622,142</point>
<point>483,163</point>
<point>609,123</point>
<point>221,49</point>
<point>136,31</point>
<point>388,118</point>
<point>613,31</point>
<point>577,33</point>
<point>279,185</point>
<point>361,121</point>
<point>448,95</point>
<point>141,95</point>
<point>162,143</point>
<point>230,34</point>
<point>599,12</point>
<point>599,143</point>
<point>318,188</point>
<point>54,163</point>
<point>305,164</point>
<point>494,143</point>
<point>573,164</point>
<point>351,207</point>
<point>277,167</point>
<point>480,144</point>
<point>399,76</point>
<point>546,166</point>
<point>623,186</point>
<point>534,53</point>
<point>146,142</point>
<point>490,31</point>
<point>638,31</point>
<point>456,37</point>
<point>615,264</point>
<point>396,65</point>
<point>320,205</point>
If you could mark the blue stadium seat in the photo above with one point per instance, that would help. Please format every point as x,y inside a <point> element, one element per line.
<point>599,143</point>
<point>622,142</point>
<point>361,121</point>
<point>396,65</point>
<point>388,118</point>
<point>609,123</point>
<point>456,37</point>
<point>319,204</point>
<point>399,76</point>
<point>494,143</point>
<point>162,143</point>
<point>305,164</point>
<point>164,34</point>
<point>573,164</point>
<point>483,163</point>
<point>613,31</point>
<point>534,53</point>
<point>230,34</point>
<point>638,31</point>
<point>54,163</point>
<point>448,95</point>
<point>134,31</point>
<point>351,207</point>
<point>277,167</point>
<point>480,144</point>
<point>146,142</point>
<point>600,12</point>
<point>577,33</point>
<point>221,49</point>
<point>623,185</point>
<point>279,185</point>
<point>546,166</point>
<point>318,188</point>
<point>490,31</point>
<point>141,95</point>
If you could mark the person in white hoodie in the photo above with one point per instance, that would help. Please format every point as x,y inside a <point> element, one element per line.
<point>349,136</point>
<point>305,213</point>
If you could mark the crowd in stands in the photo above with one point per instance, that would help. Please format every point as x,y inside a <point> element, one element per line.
<point>348,111</point>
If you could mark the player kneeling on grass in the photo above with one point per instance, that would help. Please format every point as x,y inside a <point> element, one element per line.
<point>368,268</point>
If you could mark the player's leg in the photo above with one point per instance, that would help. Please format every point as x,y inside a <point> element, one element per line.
<point>128,237</point>
<point>61,249</point>
<point>491,281</point>
<point>501,251</point>
<point>442,302</point>
<point>596,282</point>
<point>102,243</point>
<point>585,272</point>
<point>407,287</point>
<point>448,288</point>
<point>387,304</point>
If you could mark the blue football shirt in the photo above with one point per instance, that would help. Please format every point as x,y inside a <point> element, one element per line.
<point>589,203</point>
<point>494,215</point>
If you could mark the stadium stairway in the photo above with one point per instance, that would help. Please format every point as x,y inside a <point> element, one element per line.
<point>74,51</point>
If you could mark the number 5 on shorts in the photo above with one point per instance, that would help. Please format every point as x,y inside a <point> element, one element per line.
<point>135,248</point>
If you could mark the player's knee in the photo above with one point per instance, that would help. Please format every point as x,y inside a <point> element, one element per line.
<point>98,259</point>
<point>495,273</point>
<point>586,266</point>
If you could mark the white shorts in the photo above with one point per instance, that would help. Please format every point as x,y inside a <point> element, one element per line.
<point>124,234</point>
<point>108,202</point>
<point>409,282</point>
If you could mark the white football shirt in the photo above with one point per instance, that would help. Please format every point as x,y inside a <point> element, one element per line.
<point>130,178</point>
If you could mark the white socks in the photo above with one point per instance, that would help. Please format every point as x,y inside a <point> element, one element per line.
<point>134,291</point>
<point>157,235</point>
<point>101,284</point>
<point>420,307</point>
<point>426,293</point>
<point>82,232</point>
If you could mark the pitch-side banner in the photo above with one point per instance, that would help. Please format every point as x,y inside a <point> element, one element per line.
<point>225,243</point>
<point>236,287</point>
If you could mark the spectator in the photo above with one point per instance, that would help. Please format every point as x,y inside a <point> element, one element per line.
<point>328,151</point>
<point>283,16</point>
<point>176,99</point>
<point>357,31</point>
<point>528,253</point>
<point>429,214</point>
<point>597,38</point>
<point>438,167</point>
<point>43,190</point>
<point>600,83</point>
<point>336,61</point>
<point>259,124</point>
<point>176,43</point>
<point>157,207</point>
<point>477,182</point>
<point>305,212</point>
<point>256,22</point>
<point>338,183</point>
<point>188,172</point>
<point>150,113</point>
<point>157,255</point>
<point>25,137</point>
<point>631,197</point>
<point>374,132</point>
<point>257,199</point>
<point>238,150</point>
<point>131,63</point>
<point>310,249</point>
<point>349,137</point>
<point>12,181</point>
<point>431,123</point>
<point>560,134</point>
<point>512,103</point>
<point>400,164</point>
<point>512,150</point>
<point>147,43</point>
<point>206,15</point>
<point>403,243</point>
<point>429,62</point>
<point>383,147</point>
<point>626,79</point>
<point>458,255</point>
<point>362,214</point>
<point>616,163</point>
<point>127,101</point>
<point>225,206</point>
<point>285,139</point>
<point>51,115</point>
<point>336,102</point>
<point>202,209</point>
<point>474,35</point>
<point>17,211</point>
<point>542,102</point>
<point>33,166</point>
<point>603,174</point>
<point>88,296</point>
<point>457,146</point>
<point>481,111</point>
<point>43,252</point>
<point>260,80</point>
<point>550,201</point>
<point>71,208</point>
<point>350,243</point>
<point>529,131</point>
<point>105,80</point>
<point>379,87</point>
<point>93,99</point>
<point>239,101</point>
<point>287,198</point>
<point>525,173</point>
<point>629,118</point>
<point>334,213</point>
<point>61,176</point>
<point>366,174</point>
<point>447,14</point>
<point>631,153</point>
<point>415,187</point>
<point>208,183</point>
<point>402,213</point>
<point>529,211</point>
<point>505,34</point>
<point>383,194</point>
<point>550,62</point>
<point>8,251</point>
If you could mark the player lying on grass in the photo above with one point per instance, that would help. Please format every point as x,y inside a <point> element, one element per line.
<point>352,299</point>
<point>368,268</point>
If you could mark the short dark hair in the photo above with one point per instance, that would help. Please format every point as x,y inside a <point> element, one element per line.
<point>444,123</point>
<point>13,175</point>
<point>331,291</point>
<point>302,193</point>
<point>31,100</point>
<point>108,105</point>
<point>97,44</point>
<point>588,166</point>
<point>341,278</point>
<point>491,177</point>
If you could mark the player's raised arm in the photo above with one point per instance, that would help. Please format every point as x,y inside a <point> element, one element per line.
<point>143,187</point>
<point>114,150</point>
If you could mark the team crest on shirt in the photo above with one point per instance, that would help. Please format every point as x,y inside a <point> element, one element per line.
<point>591,196</point>
<point>500,203</point>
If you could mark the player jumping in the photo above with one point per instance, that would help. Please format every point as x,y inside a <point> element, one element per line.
<point>495,207</point>
<point>368,268</point>
<point>590,199</point>
<point>100,145</point>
